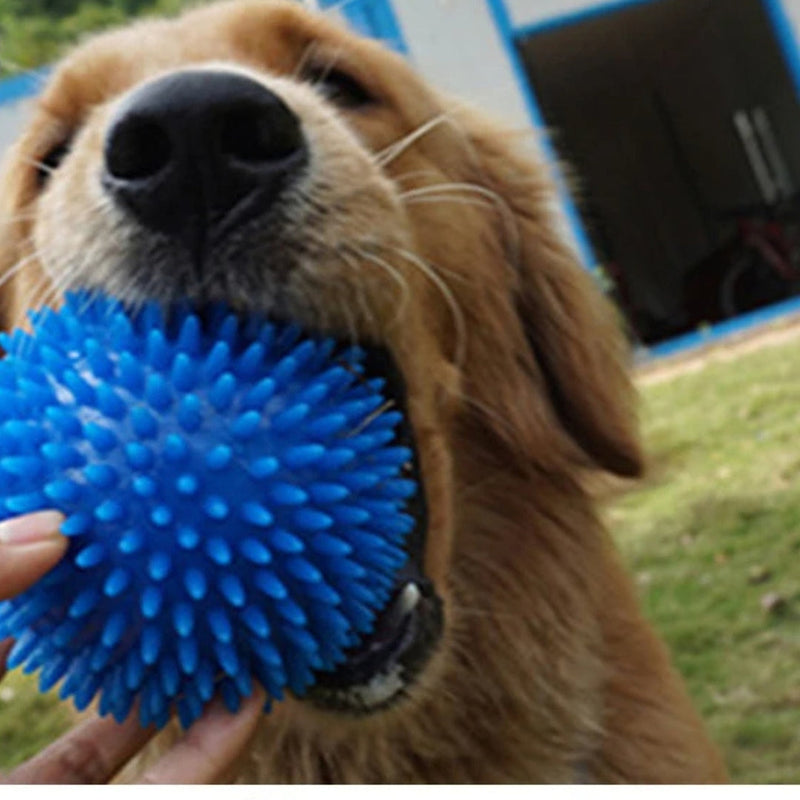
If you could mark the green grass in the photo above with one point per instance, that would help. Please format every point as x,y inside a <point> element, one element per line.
<point>28,720</point>
<point>722,500</point>
<point>722,505</point>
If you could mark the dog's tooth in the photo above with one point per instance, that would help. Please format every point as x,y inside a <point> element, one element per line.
<point>409,598</point>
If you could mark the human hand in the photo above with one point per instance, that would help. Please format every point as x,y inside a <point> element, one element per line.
<point>97,749</point>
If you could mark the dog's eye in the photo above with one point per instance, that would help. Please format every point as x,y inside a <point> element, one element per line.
<point>50,162</point>
<point>339,87</point>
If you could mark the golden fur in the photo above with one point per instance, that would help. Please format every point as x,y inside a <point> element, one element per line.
<point>442,245</point>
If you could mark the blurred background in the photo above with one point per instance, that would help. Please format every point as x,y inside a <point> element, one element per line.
<point>673,130</point>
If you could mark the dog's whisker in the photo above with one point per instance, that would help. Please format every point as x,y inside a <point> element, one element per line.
<point>364,305</point>
<point>384,157</point>
<point>34,299</point>
<point>394,274</point>
<point>56,282</point>
<point>133,296</point>
<point>443,189</point>
<point>452,198</point>
<point>16,268</point>
<point>459,322</point>
<point>369,419</point>
<point>305,57</point>
<point>332,59</point>
<point>39,165</point>
<point>490,414</point>
<point>435,199</point>
<point>415,174</point>
<point>47,294</point>
<point>13,219</point>
<point>350,318</point>
<point>484,612</point>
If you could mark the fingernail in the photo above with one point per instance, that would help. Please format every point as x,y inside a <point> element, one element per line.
<point>31,528</point>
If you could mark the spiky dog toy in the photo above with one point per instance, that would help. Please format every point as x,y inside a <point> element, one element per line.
<point>232,494</point>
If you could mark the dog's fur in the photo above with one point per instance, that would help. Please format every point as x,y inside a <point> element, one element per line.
<point>425,226</point>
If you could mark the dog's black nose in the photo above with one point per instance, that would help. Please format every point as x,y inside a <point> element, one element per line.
<point>197,153</point>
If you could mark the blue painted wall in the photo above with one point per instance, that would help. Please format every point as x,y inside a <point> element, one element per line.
<point>374,18</point>
<point>20,86</point>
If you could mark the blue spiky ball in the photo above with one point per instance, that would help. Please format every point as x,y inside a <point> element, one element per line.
<point>233,496</point>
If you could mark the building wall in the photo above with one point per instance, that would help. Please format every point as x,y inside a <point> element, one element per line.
<point>476,66</point>
<point>526,12</point>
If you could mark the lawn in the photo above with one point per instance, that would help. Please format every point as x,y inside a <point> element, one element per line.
<point>711,536</point>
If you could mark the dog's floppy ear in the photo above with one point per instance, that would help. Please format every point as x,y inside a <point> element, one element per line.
<point>576,351</point>
<point>14,223</point>
<point>22,278</point>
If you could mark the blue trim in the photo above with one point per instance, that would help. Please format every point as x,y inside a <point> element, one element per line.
<point>373,18</point>
<point>574,17</point>
<point>21,86</point>
<point>714,333</point>
<point>502,19</point>
<point>787,40</point>
<point>775,10</point>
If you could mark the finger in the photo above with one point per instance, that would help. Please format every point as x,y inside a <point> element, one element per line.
<point>91,753</point>
<point>207,751</point>
<point>29,547</point>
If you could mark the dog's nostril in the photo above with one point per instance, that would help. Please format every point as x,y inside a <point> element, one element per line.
<point>259,134</point>
<point>197,153</point>
<point>137,149</point>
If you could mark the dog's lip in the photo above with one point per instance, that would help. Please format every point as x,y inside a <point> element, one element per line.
<point>379,669</point>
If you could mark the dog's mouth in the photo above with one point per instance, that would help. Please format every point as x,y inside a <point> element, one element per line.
<point>381,668</point>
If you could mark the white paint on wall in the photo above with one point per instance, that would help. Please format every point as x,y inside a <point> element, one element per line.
<point>455,44</point>
<point>793,12</point>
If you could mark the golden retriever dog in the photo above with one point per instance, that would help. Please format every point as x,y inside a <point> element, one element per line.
<point>257,153</point>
